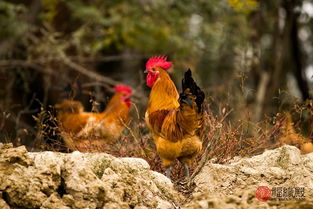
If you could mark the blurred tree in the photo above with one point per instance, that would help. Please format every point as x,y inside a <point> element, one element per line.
<point>244,52</point>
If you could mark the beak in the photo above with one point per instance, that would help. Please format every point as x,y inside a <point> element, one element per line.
<point>127,96</point>
<point>146,71</point>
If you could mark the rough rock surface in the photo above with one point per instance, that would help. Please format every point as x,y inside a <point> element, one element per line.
<point>234,185</point>
<point>54,180</point>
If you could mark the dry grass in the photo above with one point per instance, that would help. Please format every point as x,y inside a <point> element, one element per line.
<point>136,141</point>
<point>229,131</point>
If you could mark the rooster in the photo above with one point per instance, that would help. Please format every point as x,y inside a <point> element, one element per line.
<point>291,137</point>
<point>86,131</point>
<point>174,120</point>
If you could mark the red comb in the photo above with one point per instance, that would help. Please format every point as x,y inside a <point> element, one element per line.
<point>123,88</point>
<point>159,61</point>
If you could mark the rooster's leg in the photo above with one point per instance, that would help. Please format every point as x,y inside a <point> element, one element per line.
<point>168,172</point>
<point>186,170</point>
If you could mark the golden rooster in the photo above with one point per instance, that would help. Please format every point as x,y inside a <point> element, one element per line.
<point>291,137</point>
<point>88,131</point>
<point>174,119</point>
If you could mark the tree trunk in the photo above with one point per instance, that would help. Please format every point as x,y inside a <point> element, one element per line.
<point>296,54</point>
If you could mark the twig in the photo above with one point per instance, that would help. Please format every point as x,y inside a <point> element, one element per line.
<point>136,97</point>
<point>36,64</point>
<point>26,110</point>
<point>175,206</point>
<point>20,63</point>
<point>106,58</point>
<point>89,73</point>
<point>31,65</point>
<point>130,130</point>
<point>204,157</point>
<point>22,124</point>
<point>137,111</point>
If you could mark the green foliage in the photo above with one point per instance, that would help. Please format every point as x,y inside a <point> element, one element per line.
<point>245,6</point>
<point>11,20</point>
<point>188,31</point>
<point>13,27</point>
<point>180,28</point>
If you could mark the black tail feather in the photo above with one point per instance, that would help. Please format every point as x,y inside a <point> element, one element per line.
<point>188,82</point>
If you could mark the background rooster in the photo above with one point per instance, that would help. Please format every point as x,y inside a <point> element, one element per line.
<point>290,136</point>
<point>88,131</point>
<point>174,120</point>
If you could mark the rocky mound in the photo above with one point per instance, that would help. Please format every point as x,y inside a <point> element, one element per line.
<point>55,180</point>
<point>234,185</point>
<point>76,180</point>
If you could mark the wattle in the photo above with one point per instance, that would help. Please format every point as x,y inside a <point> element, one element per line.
<point>128,102</point>
<point>151,78</point>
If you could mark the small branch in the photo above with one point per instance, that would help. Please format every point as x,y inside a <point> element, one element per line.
<point>137,111</point>
<point>129,129</point>
<point>29,64</point>
<point>22,124</point>
<point>204,158</point>
<point>89,73</point>
<point>205,155</point>
<point>37,65</point>
<point>106,58</point>
<point>20,63</point>
<point>26,110</point>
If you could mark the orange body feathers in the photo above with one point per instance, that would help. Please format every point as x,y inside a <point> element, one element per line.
<point>174,120</point>
<point>88,131</point>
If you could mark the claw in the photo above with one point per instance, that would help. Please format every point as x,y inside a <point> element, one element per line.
<point>168,172</point>
<point>186,170</point>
